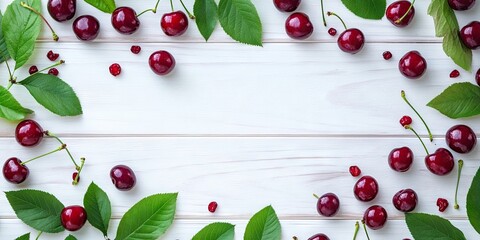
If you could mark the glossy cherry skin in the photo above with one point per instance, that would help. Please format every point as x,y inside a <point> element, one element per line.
<point>442,204</point>
<point>461,138</point>
<point>286,5</point>
<point>351,40</point>
<point>477,77</point>
<point>396,10</point>
<point>298,26</point>
<point>125,20</point>
<point>355,171</point>
<point>123,177</point>
<point>73,217</point>
<point>375,217</point>
<point>412,65</point>
<point>400,159</point>
<point>161,62</point>
<point>441,162</point>
<point>28,133</point>
<point>405,200</point>
<point>366,189</point>
<point>62,10</point>
<point>14,171</point>
<point>174,24</point>
<point>212,207</point>
<point>470,35</point>
<point>405,121</point>
<point>86,27</point>
<point>319,236</point>
<point>328,205</point>
<point>461,5</point>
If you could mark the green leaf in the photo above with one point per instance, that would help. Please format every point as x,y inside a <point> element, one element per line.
<point>459,100</point>
<point>206,16</point>
<point>21,28</point>
<point>70,237</point>
<point>240,20</point>
<point>216,231</point>
<point>446,26</point>
<point>473,202</point>
<point>430,227</point>
<point>37,209</point>
<point>149,218</point>
<point>3,45</point>
<point>25,236</point>
<point>106,6</point>
<point>98,207</point>
<point>10,108</point>
<point>368,9</point>
<point>264,225</point>
<point>53,93</point>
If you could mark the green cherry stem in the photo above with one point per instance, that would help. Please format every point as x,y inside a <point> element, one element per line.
<point>82,163</point>
<point>55,36</point>
<point>171,5</point>
<point>63,146</point>
<point>419,138</point>
<point>316,196</point>
<point>38,236</point>
<point>357,227</point>
<point>460,167</point>
<point>323,14</point>
<point>154,10</point>
<point>406,13</point>
<point>418,114</point>
<point>341,20</point>
<point>54,65</point>
<point>186,10</point>
<point>49,134</point>
<point>365,229</point>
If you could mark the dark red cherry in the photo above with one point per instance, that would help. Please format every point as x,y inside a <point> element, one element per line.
<point>477,77</point>
<point>461,138</point>
<point>375,217</point>
<point>286,5</point>
<point>387,55</point>
<point>406,121</point>
<point>470,35</point>
<point>454,74</point>
<point>73,217</point>
<point>405,200</point>
<point>135,49</point>
<point>397,10</point>
<point>62,10</point>
<point>319,236</point>
<point>366,189</point>
<point>354,171</point>
<point>161,62</point>
<point>14,171</point>
<point>86,27</point>
<point>412,65</point>
<point>298,26</point>
<point>123,177</point>
<point>115,69</point>
<point>400,159</point>
<point>441,162</point>
<point>442,204</point>
<point>125,20</point>
<point>328,205</point>
<point>33,69</point>
<point>52,56</point>
<point>351,40</point>
<point>174,24</point>
<point>212,207</point>
<point>461,5</point>
<point>28,133</point>
<point>53,71</point>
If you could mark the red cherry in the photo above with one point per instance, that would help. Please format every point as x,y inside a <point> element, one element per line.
<point>366,189</point>
<point>328,205</point>
<point>400,159</point>
<point>73,217</point>
<point>355,171</point>
<point>125,20</point>
<point>14,171</point>
<point>441,162</point>
<point>405,200</point>
<point>442,204</point>
<point>212,207</point>
<point>74,176</point>
<point>454,74</point>
<point>332,32</point>
<point>461,138</point>
<point>174,24</point>
<point>135,49</point>
<point>161,62</point>
<point>62,10</point>
<point>375,217</point>
<point>397,10</point>
<point>406,121</point>
<point>298,26</point>
<point>33,69</point>
<point>28,133</point>
<point>286,5</point>
<point>461,5</point>
<point>115,69</point>
<point>319,236</point>
<point>351,41</point>
<point>470,35</point>
<point>52,56</point>
<point>123,177</point>
<point>412,65</point>
<point>53,71</point>
<point>86,27</point>
<point>387,55</point>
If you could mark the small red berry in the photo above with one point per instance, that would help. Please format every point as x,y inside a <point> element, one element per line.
<point>115,69</point>
<point>136,49</point>
<point>454,74</point>
<point>442,204</point>
<point>354,171</point>
<point>387,55</point>
<point>53,71</point>
<point>33,69</point>
<point>332,31</point>
<point>74,176</point>
<point>52,56</point>
<point>405,121</point>
<point>212,207</point>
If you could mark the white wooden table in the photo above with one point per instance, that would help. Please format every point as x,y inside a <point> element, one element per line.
<point>245,126</point>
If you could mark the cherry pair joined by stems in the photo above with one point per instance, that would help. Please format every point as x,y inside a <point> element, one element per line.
<point>34,69</point>
<point>351,40</point>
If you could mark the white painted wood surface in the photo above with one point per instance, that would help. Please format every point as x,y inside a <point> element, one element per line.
<point>244,126</point>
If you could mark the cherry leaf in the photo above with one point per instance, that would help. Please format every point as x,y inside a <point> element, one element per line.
<point>98,207</point>
<point>25,236</point>
<point>264,225</point>
<point>459,100</point>
<point>240,20</point>
<point>216,231</point>
<point>10,108</point>
<point>473,202</point>
<point>368,9</point>
<point>206,16</point>
<point>106,6</point>
<point>3,45</point>
<point>430,227</point>
<point>70,237</point>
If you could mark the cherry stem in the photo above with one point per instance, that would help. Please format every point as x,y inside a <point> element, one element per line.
<point>54,65</point>
<point>171,5</point>
<point>419,138</point>
<point>188,12</point>
<point>82,163</point>
<point>323,14</point>
<point>38,236</point>
<point>341,20</point>
<point>357,227</point>
<point>63,146</point>
<point>365,228</point>
<point>316,196</point>
<point>154,10</point>
<point>460,167</point>
<point>55,36</point>
<point>418,114</point>
<point>406,13</point>
<point>49,134</point>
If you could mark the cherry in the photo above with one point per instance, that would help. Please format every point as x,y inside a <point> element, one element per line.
<point>442,204</point>
<point>400,13</point>
<point>454,74</point>
<point>212,207</point>
<point>332,32</point>
<point>74,177</point>
<point>319,236</point>
<point>412,65</point>
<point>406,121</point>
<point>351,40</point>
<point>73,217</point>
<point>115,69</point>
<point>477,77</point>
<point>441,162</point>
<point>461,5</point>
<point>14,171</point>
<point>355,171</point>
<point>400,159</point>
<point>174,24</point>
<point>86,27</point>
<point>53,71</point>
<point>125,20</point>
<point>28,133</point>
<point>135,49</point>
<point>405,200</point>
<point>328,204</point>
<point>366,189</point>
<point>62,10</point>
<point>33,69</point>
<point>52,56</point>
<point>286,5</point>
<point>470,35</point>
<point>161,62</point>
<point>387,55</point>
<point>298,26</point>
<point>461,138</point>
<point>123,177</point>
<point>375,217</point>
